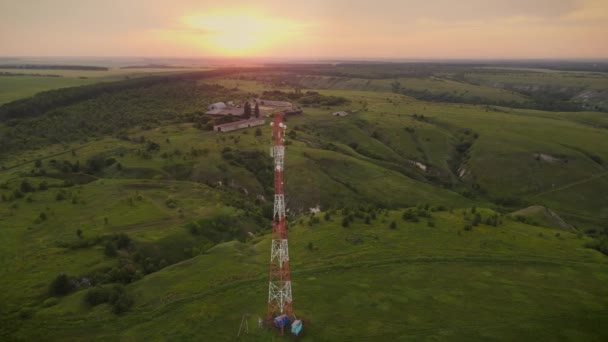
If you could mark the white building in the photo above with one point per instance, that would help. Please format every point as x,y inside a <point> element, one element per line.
<point>218,105</point>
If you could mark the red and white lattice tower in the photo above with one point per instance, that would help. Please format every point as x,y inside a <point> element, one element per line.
<point>279,286</point>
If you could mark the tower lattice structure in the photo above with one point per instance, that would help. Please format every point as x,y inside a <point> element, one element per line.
<point>279,285</point>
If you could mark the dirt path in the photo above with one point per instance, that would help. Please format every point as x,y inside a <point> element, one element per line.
<point>563,187</point>
<point>45,157</point>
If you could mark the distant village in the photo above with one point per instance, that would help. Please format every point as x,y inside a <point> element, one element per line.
<point>249,114</point>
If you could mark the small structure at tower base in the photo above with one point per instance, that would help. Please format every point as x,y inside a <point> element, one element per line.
<point>296,327</point>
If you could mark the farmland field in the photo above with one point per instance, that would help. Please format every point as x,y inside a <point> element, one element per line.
<point>17,87</point>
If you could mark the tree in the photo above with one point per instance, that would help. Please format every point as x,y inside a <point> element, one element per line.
<point>110,249</point>
<point>61,286</point>
<point>256,110</point>
<point>26,186</point>
<point>477,219</point>
<point>247,114</point>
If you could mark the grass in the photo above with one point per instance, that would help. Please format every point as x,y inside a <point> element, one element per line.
<point>430,279</point>
<point>18,87</point>
<point>372,282</point>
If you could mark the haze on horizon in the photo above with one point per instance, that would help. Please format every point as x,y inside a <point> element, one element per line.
<point>441,29</point>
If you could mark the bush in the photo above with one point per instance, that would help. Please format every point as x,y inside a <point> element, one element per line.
<point>468,227</point>
<point>393,225</point>
<point>110,249</point>
<point>60,196</point>
<point>27,187</point>
<point>123,240</point>
<point>409,215</point>
<point>171,202</point>
<point>600,245</point>
<point>97,295</point>
<point>120,300</point>
<point>61,286</point>
<point>477,219</point>
<point>345,222</point>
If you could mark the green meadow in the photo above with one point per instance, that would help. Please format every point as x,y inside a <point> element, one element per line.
<point>124,216</point>
<point>30,83</point>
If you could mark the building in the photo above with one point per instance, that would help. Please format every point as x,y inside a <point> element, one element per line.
<point>217,105</point>
<point>271,103</point>
<point>235,111</point>
<point>293,111</point>
<point>232,126</point>
<point>340,113</point>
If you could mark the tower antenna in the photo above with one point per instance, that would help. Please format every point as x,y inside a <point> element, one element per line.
<point>279,285</point>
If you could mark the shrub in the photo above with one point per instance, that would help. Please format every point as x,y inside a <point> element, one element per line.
<point>97,295</point>
<point>120,300</point>
<point>600,245</point>
<point>27,187</point>
<point>409,215</point>
<point>110,249</point>
<point>122,240</point>
<point>43,186</point>
<point>477,219</point>
<point>60,286</point>
<point>171,202</point>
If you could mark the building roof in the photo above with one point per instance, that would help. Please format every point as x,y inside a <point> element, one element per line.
<point>237,111</point>
<point>273,103</point>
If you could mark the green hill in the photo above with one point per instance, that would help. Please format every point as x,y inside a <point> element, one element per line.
<point>124,216</point>
<point>366,282</point>
<point>543,216</point>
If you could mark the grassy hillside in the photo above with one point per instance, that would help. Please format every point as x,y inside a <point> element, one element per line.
<point>366,282</point>
<point>124,216</point>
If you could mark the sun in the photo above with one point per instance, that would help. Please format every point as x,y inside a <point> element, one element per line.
<point>239,34</point>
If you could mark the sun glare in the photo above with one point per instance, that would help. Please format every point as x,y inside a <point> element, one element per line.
<point>239,34</point>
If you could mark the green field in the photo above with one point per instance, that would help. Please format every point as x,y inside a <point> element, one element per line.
<point>17,87</point>
<point>447,221</point>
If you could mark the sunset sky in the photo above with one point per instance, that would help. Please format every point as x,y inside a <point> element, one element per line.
<point>306,29</point>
